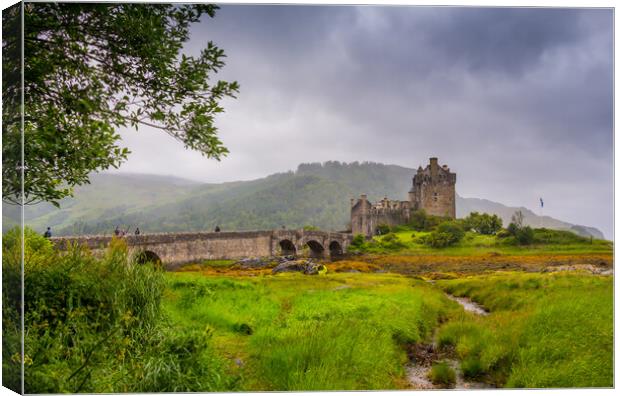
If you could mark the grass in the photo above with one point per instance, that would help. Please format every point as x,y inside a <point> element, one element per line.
<point>545,330</point>
<point>442,374</point>
<point>546,242</point>
<point>335,332</point>
<point>102,325</point>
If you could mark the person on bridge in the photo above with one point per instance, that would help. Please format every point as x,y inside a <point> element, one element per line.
<point>117,232</point>
<point>48,233</point>
<point>137,232</point>
<point>217,228</point>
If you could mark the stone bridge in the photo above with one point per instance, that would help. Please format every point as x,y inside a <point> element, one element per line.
<point>173,249</point>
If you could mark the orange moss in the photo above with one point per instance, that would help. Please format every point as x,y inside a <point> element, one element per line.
<point>352,266</point>
<point>434,266</point>
<point>489,262</point>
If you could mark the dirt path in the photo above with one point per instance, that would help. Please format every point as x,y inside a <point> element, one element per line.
<point>424,356</point>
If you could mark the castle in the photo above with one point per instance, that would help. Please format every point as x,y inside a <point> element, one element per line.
<point>432,190</point>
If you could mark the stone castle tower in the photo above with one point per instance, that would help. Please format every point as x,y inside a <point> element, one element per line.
<point>432,191</point>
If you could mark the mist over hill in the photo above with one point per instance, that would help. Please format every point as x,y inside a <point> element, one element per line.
<point>315,194</point>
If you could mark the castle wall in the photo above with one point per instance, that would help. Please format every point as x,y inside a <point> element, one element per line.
<point>361,222</point>
<point>366,217</point>
<point>439,200</point>
<point>432,191</point>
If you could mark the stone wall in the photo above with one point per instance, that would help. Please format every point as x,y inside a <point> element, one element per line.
<point>178,248</point>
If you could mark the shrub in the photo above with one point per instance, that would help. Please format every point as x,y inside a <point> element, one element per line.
<point>483,223</point>
<point>358,241</point>
<point>383,229</point>
<point>95,325</point>
<point>453,228</point>
<point>391,242</point>
<point>438,239</point>
<point>400,228</point>
<point>442,373</point>
<point>419,220</point>
<point>446,234</point>
<point>503,233</point>
<point>523,235</point>
<point>471,367</point>
<point>520,236</point>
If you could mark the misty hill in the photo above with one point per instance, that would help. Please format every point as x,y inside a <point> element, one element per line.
<point>315,194</point>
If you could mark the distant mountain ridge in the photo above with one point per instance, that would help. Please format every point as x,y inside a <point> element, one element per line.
<point>315,194</point>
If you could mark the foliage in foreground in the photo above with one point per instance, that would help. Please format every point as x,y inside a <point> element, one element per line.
<point>545,330</point>
<point>91,69</point>
<point>95,325</point>
<point>337,332</point>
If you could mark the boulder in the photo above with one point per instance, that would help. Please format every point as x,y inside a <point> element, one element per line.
<point>306,266</point>
<point>291,266</point>
<point>253,263</point>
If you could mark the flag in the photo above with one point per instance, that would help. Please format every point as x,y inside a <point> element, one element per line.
<point>542,204</point>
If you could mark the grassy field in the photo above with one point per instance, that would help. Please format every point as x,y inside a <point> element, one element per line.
<point>547,242</point>
<point>295,332</point>
<point>108,325</point>
<point>349,330</point>
<point>545,330</point>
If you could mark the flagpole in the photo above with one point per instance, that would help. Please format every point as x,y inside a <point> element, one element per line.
<point>542,213</point>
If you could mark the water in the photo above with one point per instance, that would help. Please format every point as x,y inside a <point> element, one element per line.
<point>468,305</point>
<point>423,357</point>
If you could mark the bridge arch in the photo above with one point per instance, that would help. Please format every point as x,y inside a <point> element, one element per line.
<point>335,249</point>
<point>287,248</point>
<point>147,256</point>
<point>316,249</point>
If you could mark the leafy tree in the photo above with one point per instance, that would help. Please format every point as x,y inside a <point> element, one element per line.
<point>91,69</point>
<point>483,223</point>
<point>419,220</point>
<point>446,234</point>
<point>523,235</point>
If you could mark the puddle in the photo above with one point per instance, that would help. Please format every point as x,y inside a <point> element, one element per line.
<point>468,305</point>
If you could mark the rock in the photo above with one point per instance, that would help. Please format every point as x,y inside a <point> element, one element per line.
<point>253,263</point>
<point>290,266</point>
<point>306,266</point>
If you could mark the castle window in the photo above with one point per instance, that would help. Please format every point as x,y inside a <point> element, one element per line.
<point>435,196</point>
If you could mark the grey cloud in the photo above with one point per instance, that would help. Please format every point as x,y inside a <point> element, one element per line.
<point>518,101</point>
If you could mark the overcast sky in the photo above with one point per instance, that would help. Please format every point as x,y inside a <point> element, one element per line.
<point>518,102</point>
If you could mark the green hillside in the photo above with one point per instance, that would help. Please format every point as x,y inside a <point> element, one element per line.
<point>315,194</point>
